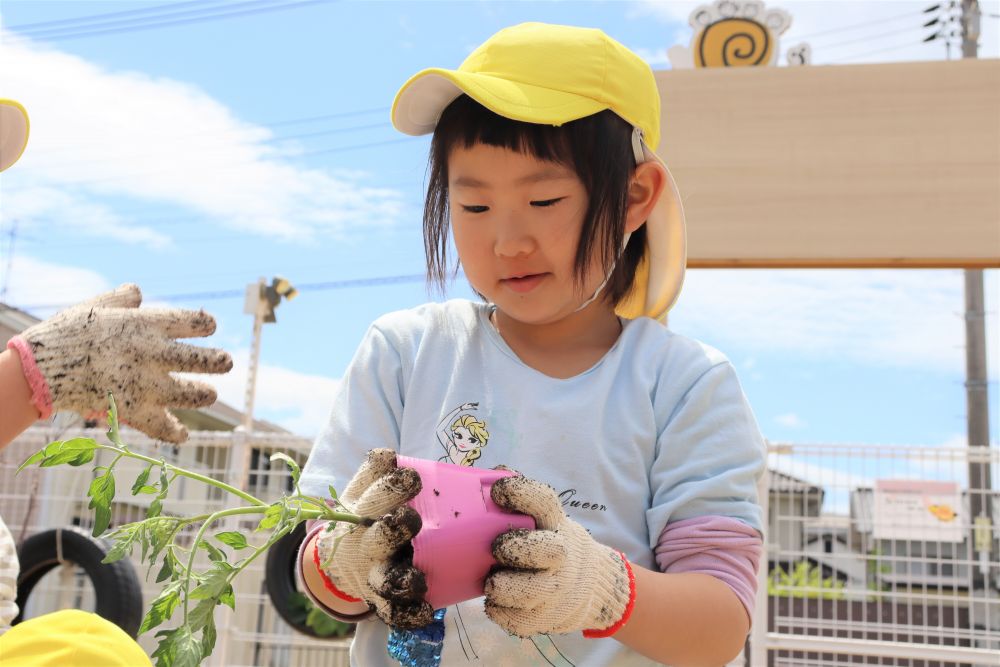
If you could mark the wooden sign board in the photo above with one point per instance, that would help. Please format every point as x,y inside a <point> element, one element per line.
<point>887,165</point>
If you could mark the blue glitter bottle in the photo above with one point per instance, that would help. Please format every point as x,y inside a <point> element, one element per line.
<point>420,647</point>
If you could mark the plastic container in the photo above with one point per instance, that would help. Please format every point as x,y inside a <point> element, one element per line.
<point>459,523</point>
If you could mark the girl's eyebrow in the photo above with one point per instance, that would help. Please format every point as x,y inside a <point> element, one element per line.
<point>536,177</point>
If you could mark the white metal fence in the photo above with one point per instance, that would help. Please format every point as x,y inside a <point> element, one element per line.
<point>871,550</point>
<point>873,557</point>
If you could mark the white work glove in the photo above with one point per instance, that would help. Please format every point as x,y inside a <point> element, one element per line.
<point>374,562</point>
<point>109,344</point>
<point>556,578</point>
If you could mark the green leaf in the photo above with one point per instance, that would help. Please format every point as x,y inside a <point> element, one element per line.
<point>101,494</point>
<point>188,649</point>
<point>214,553</point>
<point>159,533</point>
<point>75,452</point>
<point>155,506</point>
<point>333,492</point>
<point>125,538</point>
<point>208,638</point>
<point>228,598</point>
<point>325,625</point>
<point>202,614</point>
<point>167,570</point>
<point>233,539</point>
<point>290,462</point>
<point>162,607</point>
<point>113,435</point>
<point>140,481</point>
<point>271,517</point>
<point>166,648</point>
<point>214,582</point>
<point>31,460</point>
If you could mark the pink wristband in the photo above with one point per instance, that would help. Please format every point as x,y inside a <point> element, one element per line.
<point>41,397</point>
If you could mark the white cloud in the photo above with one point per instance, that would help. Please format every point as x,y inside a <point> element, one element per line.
<point>34,281</point>
<point>297,401</point>
<point>901,318</point>
<point>790,420</point>
<point>101,133</point>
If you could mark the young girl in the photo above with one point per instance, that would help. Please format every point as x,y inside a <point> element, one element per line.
<point>637,450</point>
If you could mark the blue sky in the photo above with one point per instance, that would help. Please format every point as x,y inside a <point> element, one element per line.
<point>195,157</point>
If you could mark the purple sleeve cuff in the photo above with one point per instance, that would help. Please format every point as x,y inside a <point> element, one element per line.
<point>720,546</point>
<point>305,560</point>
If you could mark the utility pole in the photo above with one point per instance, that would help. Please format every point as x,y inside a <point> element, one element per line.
<point>976,387</point>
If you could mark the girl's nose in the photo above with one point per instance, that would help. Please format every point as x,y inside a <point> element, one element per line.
<point>512,237</point>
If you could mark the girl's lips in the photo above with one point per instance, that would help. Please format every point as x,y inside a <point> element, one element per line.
<point>523,284</point>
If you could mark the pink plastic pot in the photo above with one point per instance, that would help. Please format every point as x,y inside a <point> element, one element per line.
<point>460,521</point>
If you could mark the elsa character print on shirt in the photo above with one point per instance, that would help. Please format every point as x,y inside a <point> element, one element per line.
<point>462,435</point>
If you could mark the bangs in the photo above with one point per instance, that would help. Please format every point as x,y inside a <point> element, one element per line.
<point>466,123</point>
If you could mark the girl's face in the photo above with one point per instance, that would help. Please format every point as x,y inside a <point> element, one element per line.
<point>516,221</point>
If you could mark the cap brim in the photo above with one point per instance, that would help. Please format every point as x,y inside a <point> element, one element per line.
<point>422,99</point>
<point>13,132</point>
<point>660,275</point>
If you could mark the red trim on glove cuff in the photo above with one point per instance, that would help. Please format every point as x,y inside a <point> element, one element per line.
<point>41,397</point>
<point>327,583</point>
<point>607,632</point>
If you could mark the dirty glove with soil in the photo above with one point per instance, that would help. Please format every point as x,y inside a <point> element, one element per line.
<point>374,562</point>
<point>108,344</point>
<point>556,578</point>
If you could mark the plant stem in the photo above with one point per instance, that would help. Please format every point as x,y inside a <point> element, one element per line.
<point>201,531</point>
<point>193,475</point>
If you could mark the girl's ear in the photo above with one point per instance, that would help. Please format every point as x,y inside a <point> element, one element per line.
<point>645,189</point>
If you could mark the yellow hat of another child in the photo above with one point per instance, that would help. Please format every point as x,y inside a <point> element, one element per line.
<point>13,132</point>
<point>553,74</point>
<point>70,638</point>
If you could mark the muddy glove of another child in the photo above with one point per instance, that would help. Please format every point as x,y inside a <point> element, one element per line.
<point>375,562</point>
<point>108,344</point>
<point>556,578</point>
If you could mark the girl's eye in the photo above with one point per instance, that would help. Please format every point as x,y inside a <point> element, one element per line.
<point>475,209</point>
<point>544,203</point>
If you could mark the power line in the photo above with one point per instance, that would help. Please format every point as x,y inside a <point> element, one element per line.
<point>855,26</point>
<point>161,24</point>
<point>90,18</point>
<point>888,48</point>
<point>870,37</point>
<point>234,293</point>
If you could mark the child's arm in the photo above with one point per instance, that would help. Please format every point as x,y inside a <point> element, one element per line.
<point>19,411</point>
<point>685,619</point>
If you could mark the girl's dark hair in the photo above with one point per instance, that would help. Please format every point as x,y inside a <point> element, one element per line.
<point>597,148</point>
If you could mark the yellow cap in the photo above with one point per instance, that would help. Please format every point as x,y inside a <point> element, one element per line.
<point>13,132</point>
<point>553,74</point>
<point>70,638</point>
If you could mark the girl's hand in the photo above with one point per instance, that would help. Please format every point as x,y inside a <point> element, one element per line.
<point>556,578</point>
<point>368,562</point>
<point>109,344</point>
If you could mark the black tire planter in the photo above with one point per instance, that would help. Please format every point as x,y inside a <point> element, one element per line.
<point>281,582</point>
<point>116,586</point>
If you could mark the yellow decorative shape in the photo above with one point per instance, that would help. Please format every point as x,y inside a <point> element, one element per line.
<point>942,512</point>
<point>734,42</point>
